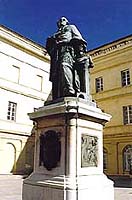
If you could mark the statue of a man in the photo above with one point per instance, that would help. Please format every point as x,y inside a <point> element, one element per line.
<point>67,50</point>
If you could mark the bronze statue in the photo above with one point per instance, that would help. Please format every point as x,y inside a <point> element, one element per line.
<point>69,72</point>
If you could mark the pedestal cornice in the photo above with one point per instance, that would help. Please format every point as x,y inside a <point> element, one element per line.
<point>70,105</point>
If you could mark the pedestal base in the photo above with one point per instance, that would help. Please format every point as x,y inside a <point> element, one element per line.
<point>40,187</point>
<point>68,153</point>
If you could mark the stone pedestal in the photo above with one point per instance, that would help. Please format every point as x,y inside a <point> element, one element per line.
<point>68,153</point>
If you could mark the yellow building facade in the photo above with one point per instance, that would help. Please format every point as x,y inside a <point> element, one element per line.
<point>111,88</point>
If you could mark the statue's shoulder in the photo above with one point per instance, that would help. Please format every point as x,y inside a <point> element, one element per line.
<point>72,27</point>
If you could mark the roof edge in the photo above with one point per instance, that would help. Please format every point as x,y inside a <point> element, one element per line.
<point>22,41</point>
<point>108,47</point>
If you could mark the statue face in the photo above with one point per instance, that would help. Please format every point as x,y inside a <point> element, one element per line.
<point>62,22</point>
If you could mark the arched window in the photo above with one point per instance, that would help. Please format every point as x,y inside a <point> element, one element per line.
<point>127,158</point>
<point>105,158</point>
<point>9,157</point>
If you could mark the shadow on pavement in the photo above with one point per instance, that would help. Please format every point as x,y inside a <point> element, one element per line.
<point>121,181</point>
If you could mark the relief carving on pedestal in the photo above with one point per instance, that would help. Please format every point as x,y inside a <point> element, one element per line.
<point>89,151</point>
<point>50,149</point>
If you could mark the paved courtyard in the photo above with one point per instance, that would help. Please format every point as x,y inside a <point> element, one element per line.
<point>123,193</point>
<point>11,189</point>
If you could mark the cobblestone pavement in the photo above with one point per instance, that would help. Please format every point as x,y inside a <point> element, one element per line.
<point>11,189</point>
<point>123,193</point>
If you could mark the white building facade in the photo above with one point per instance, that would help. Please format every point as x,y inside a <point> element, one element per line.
<point>24,86</point>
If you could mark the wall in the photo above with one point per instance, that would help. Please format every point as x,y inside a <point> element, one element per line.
<point>24,80</point>
<point>109,61</point>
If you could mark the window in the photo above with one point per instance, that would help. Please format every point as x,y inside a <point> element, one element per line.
<point>15,74</point>
<point>127,158</point>
<point>99,84</point>
<point>11,114</point>
<point>39,82</point>
<point>105,159</point>
<point>125,77</point>
<point>11,73</point>
<point>127,114</point>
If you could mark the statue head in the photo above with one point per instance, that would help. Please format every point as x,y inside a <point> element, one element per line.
<point>62,22</point>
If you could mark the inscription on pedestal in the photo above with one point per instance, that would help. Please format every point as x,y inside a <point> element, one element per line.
<point>89,151</point>
<point>50,149</point>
